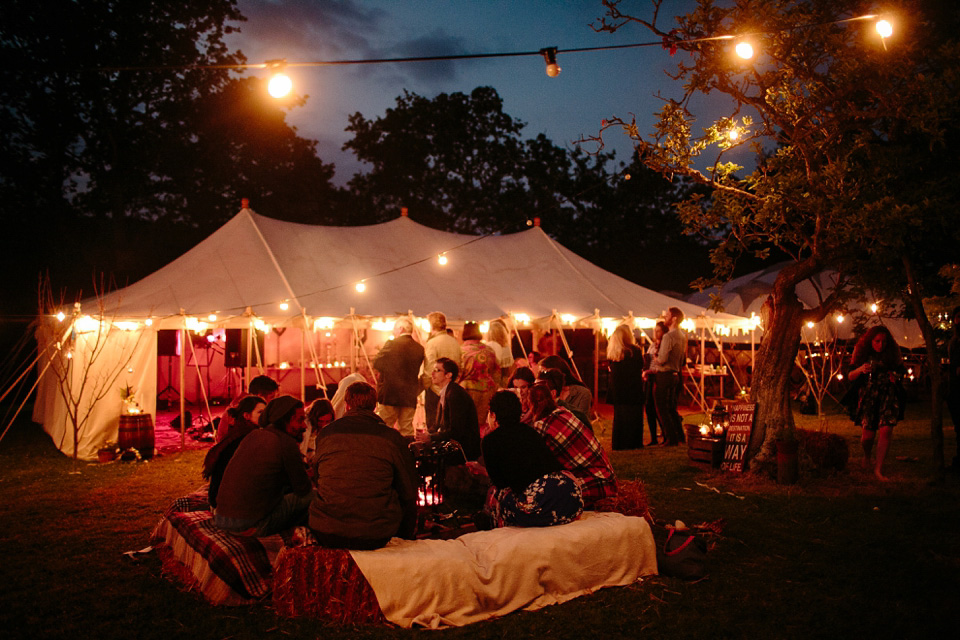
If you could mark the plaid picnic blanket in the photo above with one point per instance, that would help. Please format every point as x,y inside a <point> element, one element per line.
<point>243,563</point>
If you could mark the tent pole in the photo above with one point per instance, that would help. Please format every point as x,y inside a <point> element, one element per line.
<point>303,364</point>
<point>516,332</point>
<point>596,359</point>
<point>183,375</point>
<point>203,389</point>
<point>703,368</point>
<point>249,369</point>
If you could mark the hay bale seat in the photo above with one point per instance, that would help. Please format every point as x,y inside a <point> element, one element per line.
<point>413,583</point>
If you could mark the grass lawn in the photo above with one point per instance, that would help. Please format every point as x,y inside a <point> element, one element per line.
<point>830,557</point>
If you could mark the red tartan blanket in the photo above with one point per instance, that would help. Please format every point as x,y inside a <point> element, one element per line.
<point>235,570</point>
<point>243,563</point>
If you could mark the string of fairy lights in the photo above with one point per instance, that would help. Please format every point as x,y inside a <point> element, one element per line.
<point>279,84</point>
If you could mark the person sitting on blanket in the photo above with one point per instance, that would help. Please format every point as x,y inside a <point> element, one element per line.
<point>531,488</point>
<point>554,379</point>
<point>319,414</point>
<point>574,445</point>
<point>263,386</point>
<point>366,479</point>
<point>245,417</point>
<point>265,488</point>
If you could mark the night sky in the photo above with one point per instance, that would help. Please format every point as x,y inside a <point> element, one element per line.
<point>591,87</point>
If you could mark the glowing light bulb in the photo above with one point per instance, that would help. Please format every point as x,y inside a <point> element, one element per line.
<point>148,322</point>
<point>884,28</point>
<point>280,85</point>
<point>550,58</point>
<point>874,307</point>
<point>212,317</point>
<point>60,316</point>
<point>744,50</point>
<point>442,258</point>
<point>361,287</point>
<point>810,325</point>
<point>733,135</point>
<point>284,305</point>
<point>840,318</point>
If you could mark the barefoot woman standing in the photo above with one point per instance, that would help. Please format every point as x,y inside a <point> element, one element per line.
<point>880,403</point>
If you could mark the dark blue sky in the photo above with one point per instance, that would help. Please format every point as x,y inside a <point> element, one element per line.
<point>591,87</point>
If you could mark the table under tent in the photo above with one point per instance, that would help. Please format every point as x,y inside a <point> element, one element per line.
<point>307,304</point>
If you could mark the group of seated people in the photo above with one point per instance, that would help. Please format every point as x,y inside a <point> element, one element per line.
<point>353,479</point>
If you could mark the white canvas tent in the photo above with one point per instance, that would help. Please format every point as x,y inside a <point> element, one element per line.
<point>745,295</point>
<point>260,270</point>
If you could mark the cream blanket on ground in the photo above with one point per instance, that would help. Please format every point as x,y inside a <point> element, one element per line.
<point>440,583</point>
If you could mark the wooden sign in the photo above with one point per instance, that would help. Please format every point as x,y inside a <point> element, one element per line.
<point>738,437</point>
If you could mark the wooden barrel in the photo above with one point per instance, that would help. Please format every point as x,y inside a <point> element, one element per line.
<point>136,432</point>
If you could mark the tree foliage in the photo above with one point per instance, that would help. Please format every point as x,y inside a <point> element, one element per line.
<point>459,162</point>
<point>825,106</point>
<point>455,160</point>
<point>121,111</point>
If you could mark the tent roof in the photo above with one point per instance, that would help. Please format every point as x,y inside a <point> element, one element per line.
<point>745,295</point>
<point>258,262</point>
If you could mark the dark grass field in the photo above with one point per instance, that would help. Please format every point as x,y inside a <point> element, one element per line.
<point>831,557</point>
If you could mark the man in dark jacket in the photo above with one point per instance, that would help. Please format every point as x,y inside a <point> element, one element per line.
<point>398,374</point>
<point>456,413</point>
<point>366,479</point>
<point>265,488</point>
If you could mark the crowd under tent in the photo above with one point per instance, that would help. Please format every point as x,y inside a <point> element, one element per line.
<point>313,302</point>
<point>744,296</point>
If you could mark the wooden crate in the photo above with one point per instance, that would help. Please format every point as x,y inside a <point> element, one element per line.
<point>705,449</point>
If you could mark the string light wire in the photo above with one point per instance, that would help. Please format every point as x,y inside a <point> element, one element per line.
<point>666,42</point>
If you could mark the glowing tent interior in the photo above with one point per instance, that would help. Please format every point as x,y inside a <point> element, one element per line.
<point>264,274</point>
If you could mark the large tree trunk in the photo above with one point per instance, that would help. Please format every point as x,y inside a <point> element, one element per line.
<point>783,317</point>
<point>770,386</point>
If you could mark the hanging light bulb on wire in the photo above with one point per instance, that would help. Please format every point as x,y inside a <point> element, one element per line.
<point>744,50</point>
<point>280,84</point>
<point>550,57</point>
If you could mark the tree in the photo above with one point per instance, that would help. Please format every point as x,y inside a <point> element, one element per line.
<point>824,95</point>
<point>116,110</point>
<point>459,162</point>
<point>633,230</point>
<point>87,358</point>
<point>454,160</point>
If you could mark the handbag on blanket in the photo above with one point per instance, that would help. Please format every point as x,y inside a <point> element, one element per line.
<point>682,555</point>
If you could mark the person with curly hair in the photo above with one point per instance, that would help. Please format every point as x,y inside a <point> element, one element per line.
<point>877,369</point>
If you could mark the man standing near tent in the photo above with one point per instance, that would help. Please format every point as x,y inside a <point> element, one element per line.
<point>440,344</point>
<point>670,358</point>
<point>265,487</point>
<point>397,367</point>
<point>456,414</point>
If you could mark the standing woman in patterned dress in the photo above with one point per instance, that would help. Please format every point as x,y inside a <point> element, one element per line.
<point>877,368</point>
<point>479,370</point>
